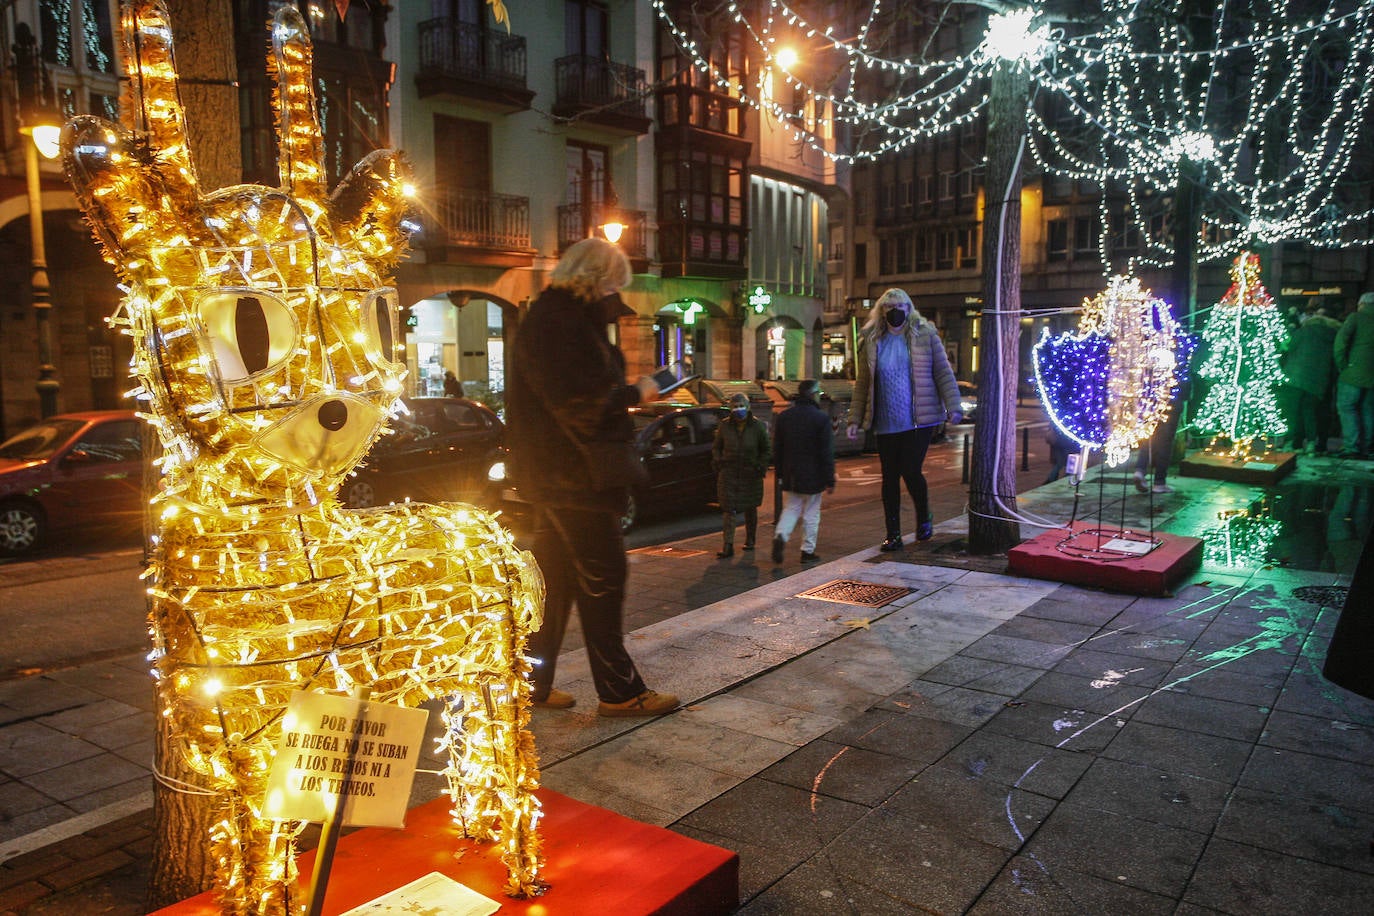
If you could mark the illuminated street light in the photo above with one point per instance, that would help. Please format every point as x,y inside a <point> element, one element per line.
<point>612,229</point>
<point>41,124</point>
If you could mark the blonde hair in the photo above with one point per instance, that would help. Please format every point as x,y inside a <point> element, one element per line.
<point>893,296</point>
<point>591,269</point>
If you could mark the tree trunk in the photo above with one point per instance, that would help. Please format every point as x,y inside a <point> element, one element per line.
<point>181,866</point>
<point>992,490</point>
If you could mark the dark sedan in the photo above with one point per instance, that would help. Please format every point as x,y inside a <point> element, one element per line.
<point>75,471</point>
<point>439,450</point>
<point>673,443</point>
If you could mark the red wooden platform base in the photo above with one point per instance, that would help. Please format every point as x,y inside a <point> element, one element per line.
<point>1260,470</point>
<point>1082,556</point>
<point>597,863</point>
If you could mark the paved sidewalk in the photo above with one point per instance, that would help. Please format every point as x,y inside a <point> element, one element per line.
<point>979,744</point>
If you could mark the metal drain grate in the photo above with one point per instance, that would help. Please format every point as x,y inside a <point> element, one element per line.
<point>1332,596</point>
<point>851,591</point>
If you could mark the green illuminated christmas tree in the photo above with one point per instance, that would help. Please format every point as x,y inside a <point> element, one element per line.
<point>1241,344</point>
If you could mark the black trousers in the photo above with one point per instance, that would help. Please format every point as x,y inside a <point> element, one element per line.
<point>901,456</point>
<point>582,555</point>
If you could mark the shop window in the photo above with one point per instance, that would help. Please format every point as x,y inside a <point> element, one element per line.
<point>925,252</point>
<point>967,247</point>
<point>945,246</point>
<point>1125,234</point>
<point>903,254</point>
<point>1086,236</point>
<point>1057,240</point>
<point>927,189</point>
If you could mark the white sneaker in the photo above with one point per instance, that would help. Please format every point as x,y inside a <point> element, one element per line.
<point>1162,488</point>
<point>1140,483</point>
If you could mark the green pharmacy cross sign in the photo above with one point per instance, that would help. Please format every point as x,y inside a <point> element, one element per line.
<point>759,299</point>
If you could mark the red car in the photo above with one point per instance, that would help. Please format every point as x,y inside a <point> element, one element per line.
<point>73,471</point>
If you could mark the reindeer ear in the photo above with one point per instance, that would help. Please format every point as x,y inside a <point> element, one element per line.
<point>116,191</point>
<point>130,178</point>
<point>374,201</point>
<point>300,152</point>
<point>154,109</point>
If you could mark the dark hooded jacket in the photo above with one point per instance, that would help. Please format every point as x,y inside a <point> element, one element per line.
<point>1309,363</point>
<point>567,424</point>
<point>804,448</point>
<point>740,455</point>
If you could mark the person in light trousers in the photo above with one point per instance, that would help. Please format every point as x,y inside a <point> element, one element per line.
<point>804,459</point>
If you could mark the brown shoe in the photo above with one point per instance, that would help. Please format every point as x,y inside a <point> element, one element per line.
<point>648,703</point>
<point>557,699</point>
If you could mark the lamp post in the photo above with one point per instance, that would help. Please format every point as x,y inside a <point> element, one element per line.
<point>39,124</point>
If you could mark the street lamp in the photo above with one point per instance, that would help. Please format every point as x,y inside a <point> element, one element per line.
<point>41,124</point>
<point>612,226</point>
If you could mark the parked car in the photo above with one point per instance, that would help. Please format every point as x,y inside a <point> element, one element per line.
<point>72,471</point>
<point>673,442</point>
<point>968,401</point>
<point>836,395</point>
<point>439,450</point>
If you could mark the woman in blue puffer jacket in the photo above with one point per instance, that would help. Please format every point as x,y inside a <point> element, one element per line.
<point>904,389</point>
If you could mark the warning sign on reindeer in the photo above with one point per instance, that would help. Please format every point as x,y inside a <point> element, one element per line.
<point>333,747</point>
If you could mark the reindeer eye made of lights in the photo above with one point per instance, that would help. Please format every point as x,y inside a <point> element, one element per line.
<point>379,323</point>
<point>248,332</point>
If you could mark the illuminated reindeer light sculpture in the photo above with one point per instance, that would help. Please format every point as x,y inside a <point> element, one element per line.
<point>267,356</point>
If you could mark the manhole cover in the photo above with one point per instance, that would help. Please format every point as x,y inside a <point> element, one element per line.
<point>851,591</point>
<point>668,551</point>
<point>1322,595</point>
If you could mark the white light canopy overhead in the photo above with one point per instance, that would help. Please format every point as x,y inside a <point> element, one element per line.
<point>1266,111</point>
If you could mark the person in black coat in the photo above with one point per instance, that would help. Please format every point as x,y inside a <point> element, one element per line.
<point>570,437</point>
<point>804,458</point>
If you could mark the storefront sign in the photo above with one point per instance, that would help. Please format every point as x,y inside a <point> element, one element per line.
<point>759,300</point>
<point>332,746</point>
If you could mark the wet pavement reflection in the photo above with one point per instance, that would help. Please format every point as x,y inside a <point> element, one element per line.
<point>1303,525</point>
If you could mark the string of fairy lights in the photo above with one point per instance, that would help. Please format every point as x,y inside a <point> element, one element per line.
<point>1265,118</point>
<point>1110,382</point>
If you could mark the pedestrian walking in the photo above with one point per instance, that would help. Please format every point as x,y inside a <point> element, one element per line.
<point>804,464</point>
<point>740,456</point>
<point>1309,369</point>
<point>1061,447</point>
<point>1354,351</point>
<point>904,390</point>
<point>1157,452</point>
<point>570,438</point>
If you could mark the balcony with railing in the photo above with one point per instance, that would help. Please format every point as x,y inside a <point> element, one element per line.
<point>472,62</point>
<point>580,221</point>
<point>478,227</point>
<point>602,92</point>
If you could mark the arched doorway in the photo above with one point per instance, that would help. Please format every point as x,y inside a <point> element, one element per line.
<point>464,332</point>
<point>682,333</point>
<point>780,348</point>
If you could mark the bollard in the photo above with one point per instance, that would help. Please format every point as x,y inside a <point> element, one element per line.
<point>1025,448</point>
<point>963,473</point>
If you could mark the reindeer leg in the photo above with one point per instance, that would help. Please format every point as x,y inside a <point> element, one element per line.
<point>492,776</point>
<point>257,857</point>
